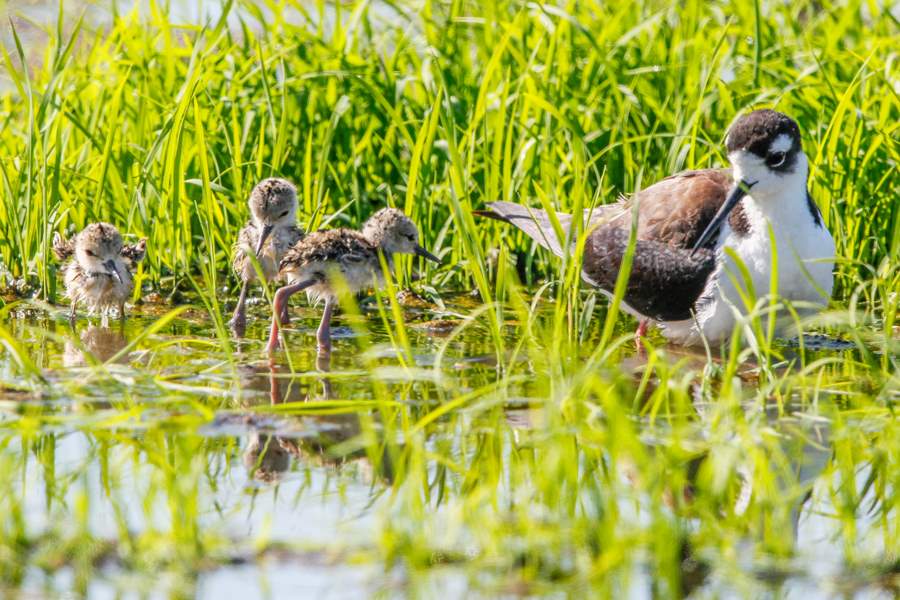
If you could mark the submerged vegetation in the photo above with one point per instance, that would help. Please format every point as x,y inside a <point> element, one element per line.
<point>492,431</point>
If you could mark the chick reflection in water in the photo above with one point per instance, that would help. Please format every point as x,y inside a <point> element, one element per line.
<point>98,345</point>
<point>268,456</point>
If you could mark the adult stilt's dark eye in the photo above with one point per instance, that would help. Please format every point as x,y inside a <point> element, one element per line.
<point>776,159</point>
<point>91,253</point>
<point>283,215</point>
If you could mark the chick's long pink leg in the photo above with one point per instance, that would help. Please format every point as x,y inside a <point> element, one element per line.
<point>239,319</point>
<point>281,298</point>
<point>323,334</point>
<point>285,314</point>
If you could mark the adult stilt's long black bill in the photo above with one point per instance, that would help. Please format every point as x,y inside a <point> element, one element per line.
<point>111,268</point>
<point>420,251</point>
<point>263,235</point>
<point>738,191</point>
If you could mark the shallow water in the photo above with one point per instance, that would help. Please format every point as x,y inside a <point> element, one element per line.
<point>160,459</point>
<point>291,477</point>
<point>254,475</point>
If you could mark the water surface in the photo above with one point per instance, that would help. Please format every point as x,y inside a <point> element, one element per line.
<point>184,465</point>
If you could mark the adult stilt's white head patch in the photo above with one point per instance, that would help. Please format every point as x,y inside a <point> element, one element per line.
<point>765,152</point>
<point>767,163</point>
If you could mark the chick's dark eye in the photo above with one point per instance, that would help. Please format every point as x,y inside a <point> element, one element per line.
<point>91,253</point>
<point>411,237</point>
<point>284,214</point>
<point>776,159</point>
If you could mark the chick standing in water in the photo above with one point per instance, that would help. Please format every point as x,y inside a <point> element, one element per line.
<point>99,269</point>
<point>271,231</point>
<point>352,255</point>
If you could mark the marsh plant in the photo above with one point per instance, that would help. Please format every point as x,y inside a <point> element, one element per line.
<point>492,431</point>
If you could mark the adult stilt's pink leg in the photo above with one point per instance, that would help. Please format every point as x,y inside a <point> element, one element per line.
<point>640,333</point>
<point>281,298</point>
<point>643,326</point>
<point>323,335</point>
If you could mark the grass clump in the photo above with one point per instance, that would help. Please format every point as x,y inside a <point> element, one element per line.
<point>525,451</point>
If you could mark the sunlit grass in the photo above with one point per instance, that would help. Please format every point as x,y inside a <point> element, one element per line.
<point>525,449</point>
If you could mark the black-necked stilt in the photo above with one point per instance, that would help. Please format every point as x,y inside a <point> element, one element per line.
<point>269,234</point>
<point>352,255</point>
<point>98,271</point>
<point>680,272</point>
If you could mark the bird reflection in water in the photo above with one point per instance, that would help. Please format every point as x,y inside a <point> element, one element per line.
<point>726,485</point>
<point>267,456</point>
<point>97,345</point>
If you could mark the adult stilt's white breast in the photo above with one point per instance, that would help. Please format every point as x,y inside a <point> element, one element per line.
<point>682,279</point>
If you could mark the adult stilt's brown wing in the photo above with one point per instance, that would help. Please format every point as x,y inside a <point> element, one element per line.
<point>665,282</point>
<point>666,279</point>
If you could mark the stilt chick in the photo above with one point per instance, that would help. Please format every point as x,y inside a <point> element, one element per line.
<point>269,234</point>
<point>351,255</point>
<point>98,271</point>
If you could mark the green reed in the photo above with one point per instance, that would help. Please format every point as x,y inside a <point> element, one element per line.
<point>162,128</point>
<point>569,106</point>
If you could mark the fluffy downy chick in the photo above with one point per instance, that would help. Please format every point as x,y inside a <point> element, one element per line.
<point>98,268</point>
<point>269,234</point>
<point>352,255</point>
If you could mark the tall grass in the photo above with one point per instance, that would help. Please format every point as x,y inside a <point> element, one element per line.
<point>162,128</point>
<point>664,464</point>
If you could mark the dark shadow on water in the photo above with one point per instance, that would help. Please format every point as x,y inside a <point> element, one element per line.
<point>820,342</point>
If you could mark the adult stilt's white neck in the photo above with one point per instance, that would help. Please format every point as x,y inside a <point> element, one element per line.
<point>779,198</point>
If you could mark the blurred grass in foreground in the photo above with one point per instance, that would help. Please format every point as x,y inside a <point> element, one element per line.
<point>559,462</point>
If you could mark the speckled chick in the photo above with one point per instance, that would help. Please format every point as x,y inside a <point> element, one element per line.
<point>269,234</point>
<point>273,216</point>
<point>353,255</point>
<point>98,268</point>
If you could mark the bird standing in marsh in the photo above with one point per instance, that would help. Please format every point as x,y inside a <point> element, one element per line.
<point>351,255</point>
<point>682,279</point>
<point>268,235</point>
<point>98,271</point>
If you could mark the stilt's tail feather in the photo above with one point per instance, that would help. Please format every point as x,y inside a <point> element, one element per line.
<point>536,223</point>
